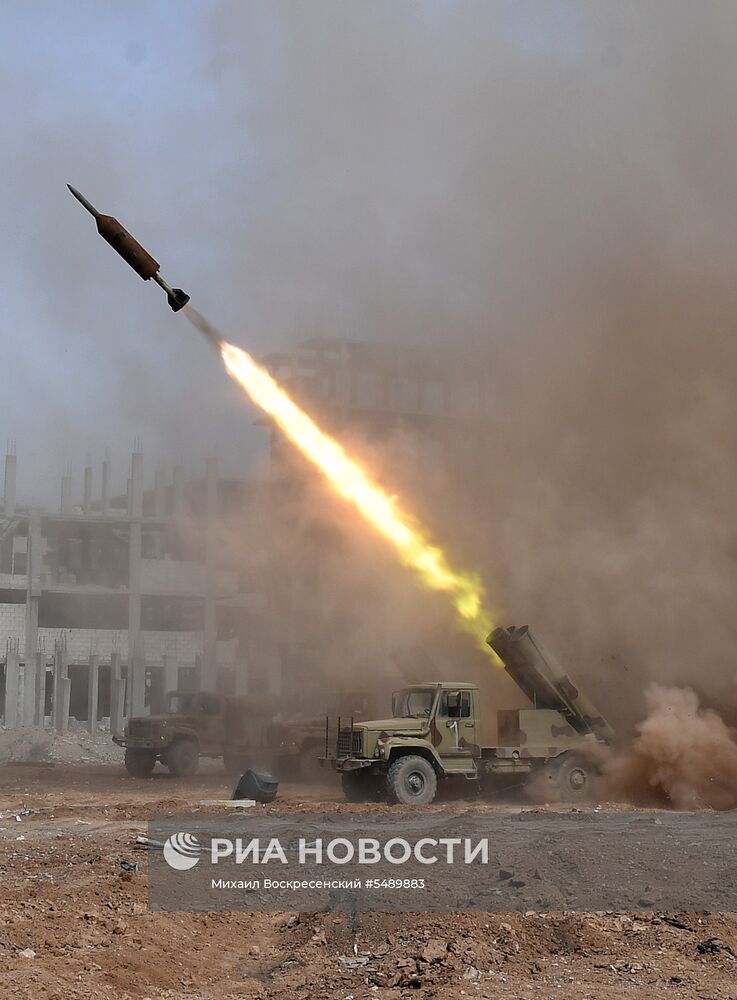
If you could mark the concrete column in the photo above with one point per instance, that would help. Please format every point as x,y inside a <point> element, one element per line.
<point>159,492</point>
<point>33,594</point>
<point>171,673</point>
<point>10,480</point>
<point>93,679</point>
<point>117,695</point>
<point>105,503</point>
<point>273,665</point>
<point>87,494</point>
<point>136,688</point>
<point>12,685</point>
<point>136,484</point>
<point>241,677</point>
<point>62,690</point>
<point>39,707</point>
<point>30,675</point>
<point>66,493</point>
<point>178,491</point>
<point>136,662</point>
<point>208,674</point>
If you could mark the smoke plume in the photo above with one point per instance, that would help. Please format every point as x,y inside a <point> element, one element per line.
<point>683,755</point>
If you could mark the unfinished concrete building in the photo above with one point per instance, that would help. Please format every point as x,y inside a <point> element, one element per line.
<point>109,602</point>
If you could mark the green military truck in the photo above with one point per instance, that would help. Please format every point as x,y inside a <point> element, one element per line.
<point>437,731</point>
<point>196,724</point>
<point>243,730</point>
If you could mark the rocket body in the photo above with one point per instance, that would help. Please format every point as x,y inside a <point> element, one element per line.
<point>129,248</point>
<point>131,251</point>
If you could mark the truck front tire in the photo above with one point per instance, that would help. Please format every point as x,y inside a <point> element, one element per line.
<point>411,781</point>
<point>139,763</point>
<point>183,758</point>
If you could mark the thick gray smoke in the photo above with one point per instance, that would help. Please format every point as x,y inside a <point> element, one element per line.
<point>549,186</point>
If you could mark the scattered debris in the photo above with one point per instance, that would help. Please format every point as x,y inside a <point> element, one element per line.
<point>354,962</point>
<point>34,745</point>
<point>146,843</point>
<point>674,922</point>
<point>435,950</point>
<point>17,814</point>
<point>27,953</point>
<point>228,803</point>
<point>128,866</point>
<point>714,945</point>
<point>259,785</point>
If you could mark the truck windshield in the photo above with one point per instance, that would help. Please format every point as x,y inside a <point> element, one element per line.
<point>181,704</point>
<point>413,703</point>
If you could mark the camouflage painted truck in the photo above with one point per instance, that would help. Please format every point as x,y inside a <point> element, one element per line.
<point>437,731</point>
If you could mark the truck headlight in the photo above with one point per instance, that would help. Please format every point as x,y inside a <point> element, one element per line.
<point>379,751</point>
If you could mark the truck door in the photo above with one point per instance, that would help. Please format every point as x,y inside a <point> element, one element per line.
<point>457,724</point>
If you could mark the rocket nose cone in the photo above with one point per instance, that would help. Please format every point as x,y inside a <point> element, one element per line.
<point>83,201</point>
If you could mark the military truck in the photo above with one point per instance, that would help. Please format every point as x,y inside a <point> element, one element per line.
<point>437,731</point>
<point>245,731</point>
<point>195,724</point>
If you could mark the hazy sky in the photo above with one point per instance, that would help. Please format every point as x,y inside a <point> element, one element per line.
<point>388,169</point>
<point>284,161</point>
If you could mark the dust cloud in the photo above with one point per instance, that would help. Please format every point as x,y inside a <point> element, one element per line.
<point>683,755</point>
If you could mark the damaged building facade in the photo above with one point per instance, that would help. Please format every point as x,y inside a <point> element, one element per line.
<point>107,603</point>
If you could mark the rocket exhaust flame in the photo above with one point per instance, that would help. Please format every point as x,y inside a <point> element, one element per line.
<point>354,484</point>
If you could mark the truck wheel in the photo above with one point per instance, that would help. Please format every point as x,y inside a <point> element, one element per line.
<point>358,786</point>
<point>183,758</point>
<point>573,775</point>
<point>411,781</point>
<point>139,763</point>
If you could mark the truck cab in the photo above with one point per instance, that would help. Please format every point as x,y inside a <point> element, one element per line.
<point>432,732</point>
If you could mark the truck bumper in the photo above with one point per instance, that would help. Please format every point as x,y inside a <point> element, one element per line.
<point>342,764</point>
<point>139,743</point>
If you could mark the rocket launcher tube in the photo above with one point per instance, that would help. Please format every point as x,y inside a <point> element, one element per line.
<point>545,682</point>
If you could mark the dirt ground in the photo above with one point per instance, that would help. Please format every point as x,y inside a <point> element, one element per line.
<point>73,924</point>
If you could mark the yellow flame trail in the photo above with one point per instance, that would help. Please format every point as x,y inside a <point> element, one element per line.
<point>429,562</point>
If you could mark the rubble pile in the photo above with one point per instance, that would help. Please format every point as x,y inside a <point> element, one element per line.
<point>44,746</point>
